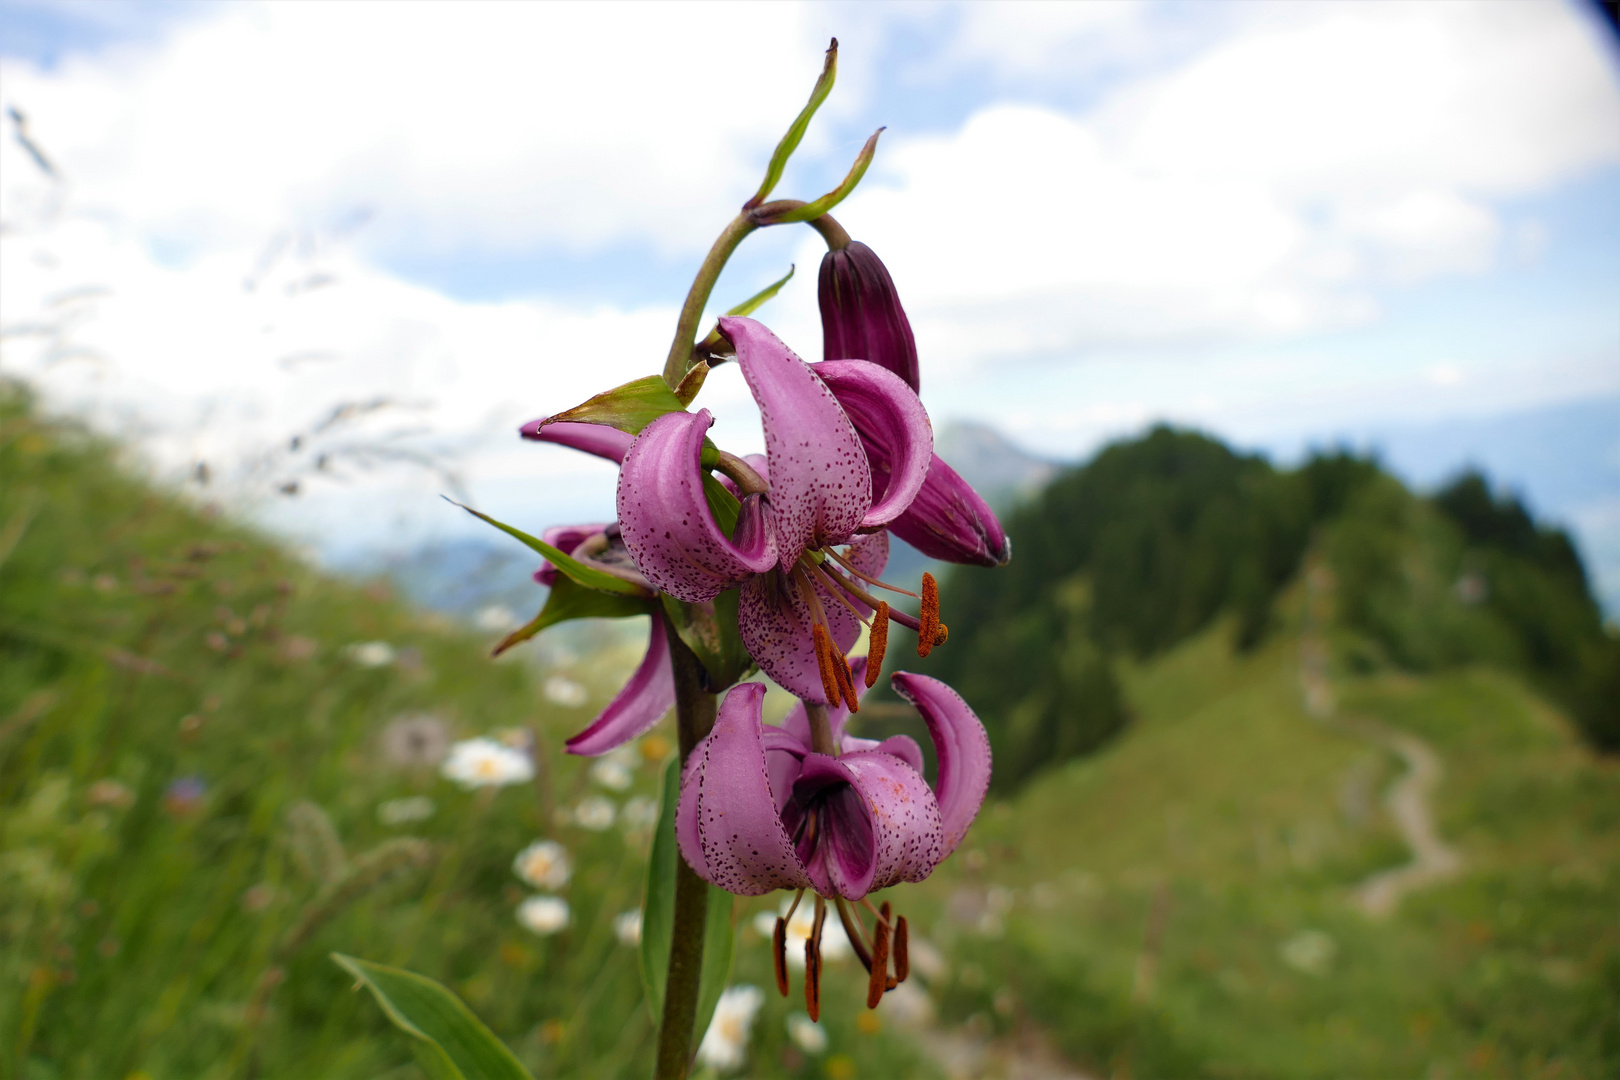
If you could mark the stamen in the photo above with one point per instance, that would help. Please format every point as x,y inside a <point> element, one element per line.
<point>837,580</point>
<point>846,681</point>
<point>812,963</point>
<point>868,578</point>
<point>779,954</point>
<point>855,932</point>
<point>824,660</point>
<point>902,951</point>
<point>879,980</point>
<point>879,643</point>
<point>942,635</point>
<point>928,628</point>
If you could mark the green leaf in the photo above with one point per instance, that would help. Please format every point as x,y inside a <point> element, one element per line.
<point>710,630</point>
<point>588,576</point>
<point>812,210</point>
<point>449,1040</point>
<point>716,345</point>
<point>658,920</point>
<point>570,600</point>
<point>630,407</point>
<point>722,503</point>
<point>801,123</point>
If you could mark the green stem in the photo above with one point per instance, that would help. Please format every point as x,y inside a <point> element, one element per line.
<point>697,298</point>
<point>694,717</point>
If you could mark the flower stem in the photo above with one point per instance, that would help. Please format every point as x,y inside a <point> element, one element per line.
<point>821,740</point>
<point>694,717</point>
<point>697,298</point>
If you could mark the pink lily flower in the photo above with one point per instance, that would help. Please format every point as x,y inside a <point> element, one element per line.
<point>802,600</point>
<point>760,809</point>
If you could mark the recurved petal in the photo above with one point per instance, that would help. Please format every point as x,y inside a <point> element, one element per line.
<point>776,626</point>
<point>948,520</point>
<point>726,821</point>
<point>665,520</point>
<point>893,426</point>
<point>565,538</point>
<point>879,824</point>
<point>962,746</point>
<point>903,747</point>
<point>821,484</point>
<point>598,439</point>
<point>643,701</point>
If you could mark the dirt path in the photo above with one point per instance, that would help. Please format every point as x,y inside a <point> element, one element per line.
<point>1433,860</point>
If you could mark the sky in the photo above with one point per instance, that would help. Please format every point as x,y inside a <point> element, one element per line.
<point>397,231</point>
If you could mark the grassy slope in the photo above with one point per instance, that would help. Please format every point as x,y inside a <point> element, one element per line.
<point>132,936</point>
<point>1246,823</point>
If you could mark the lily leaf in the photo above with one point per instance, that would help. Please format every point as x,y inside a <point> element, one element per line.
<point>710,630</point>
<point>658,920</point>
<point>716,344</point>
<point>722,503</point>
<point>449,1041</point>
<point>588,576</point>
<point>570,600</point>
<point>629,408</point>
<point>812,210</point>
<point>795,131</point>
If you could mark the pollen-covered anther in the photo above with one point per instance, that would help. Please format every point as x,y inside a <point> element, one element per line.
<point>812,963</point>
<point>846,681</point>
<point>879,643</point>
<point>902,951</point>
<point>928,624</point>
<point>825,661</point>
<point>779,954</point>
<point>879,980</point>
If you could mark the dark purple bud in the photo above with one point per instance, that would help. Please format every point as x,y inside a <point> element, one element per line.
<point>949,520</point>
<point>861,316</point>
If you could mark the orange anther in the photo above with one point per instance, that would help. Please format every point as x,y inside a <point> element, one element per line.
<point>928,618</point>
<point>879,981</point>
<point>779,953</point>
<point>824,660</point>
<point>902,951</point>
<point>880,642</point>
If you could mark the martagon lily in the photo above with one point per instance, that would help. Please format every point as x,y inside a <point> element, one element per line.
<point>806,806</point>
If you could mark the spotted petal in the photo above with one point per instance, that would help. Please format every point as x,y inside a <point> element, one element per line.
<point>726,821</point>
<point>878,823</point>
<point>962,746</point>
<point>775,621</point>
<point>638,706</point>
<point>665,519</point>
<point>893,427</point>
<point>821,485</point>
<point>598,439</point>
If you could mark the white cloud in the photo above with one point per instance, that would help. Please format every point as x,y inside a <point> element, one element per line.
<point>1273,185</point>
<point>494,126</point>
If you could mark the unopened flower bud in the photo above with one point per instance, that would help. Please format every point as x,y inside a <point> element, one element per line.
<point>861,316</point>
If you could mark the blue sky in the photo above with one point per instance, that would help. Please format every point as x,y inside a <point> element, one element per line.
<point>1286,223</point>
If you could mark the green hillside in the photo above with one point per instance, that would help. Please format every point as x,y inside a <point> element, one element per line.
<point>193,758</point>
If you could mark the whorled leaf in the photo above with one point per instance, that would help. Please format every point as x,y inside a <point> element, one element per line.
<point>588,576</point>
<point>796,130</point>
<point>812,210</point>
<point>570,600</point>
<point>629,408</point>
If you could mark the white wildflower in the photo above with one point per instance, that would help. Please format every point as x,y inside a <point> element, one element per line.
<point>481,762</point>
<point>725,1044</point>
<point>544,915</point>
<point>370,653</point>
<point>834,943</point>
<point>595,813</point>
<point>544,864</point>
<point>641,812</point>
<point>561,690</point>
<point>627,927</point>
<point>402,811</point>
<point>612,774</point>
<point>806,1033</point>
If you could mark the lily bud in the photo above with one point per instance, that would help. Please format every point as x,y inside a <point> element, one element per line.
<point>949,520</point>
<point>861,316</point>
